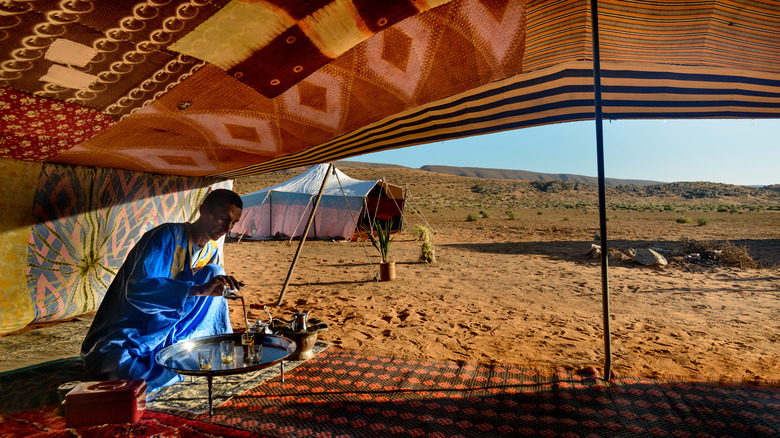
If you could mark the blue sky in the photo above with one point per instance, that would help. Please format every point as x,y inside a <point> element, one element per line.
<point>745,152</point>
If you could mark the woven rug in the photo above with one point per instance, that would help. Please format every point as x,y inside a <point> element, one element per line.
<point>47,423</point>
<point>344,394</point>
<point>189,398</point>
<point>349,395</point>
<point>35,387</point>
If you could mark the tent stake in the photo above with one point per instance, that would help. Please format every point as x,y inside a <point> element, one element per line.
<point>305,233</point>
<point>602,189</point>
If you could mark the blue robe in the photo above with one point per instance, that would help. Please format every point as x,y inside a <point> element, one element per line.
<point>148,307</point>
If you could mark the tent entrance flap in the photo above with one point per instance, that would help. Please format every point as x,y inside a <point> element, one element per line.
<point>383,203</point>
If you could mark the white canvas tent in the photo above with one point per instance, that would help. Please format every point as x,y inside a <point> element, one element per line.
<point>282,210</point>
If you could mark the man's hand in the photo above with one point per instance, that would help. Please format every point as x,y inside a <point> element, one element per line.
<point>215,286</point>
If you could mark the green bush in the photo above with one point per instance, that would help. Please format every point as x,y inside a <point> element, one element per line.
<point>683,220</point>
<point>421,233</point>
<point>472,217</point>
<point>702,221</point>
<point>539,213</point>
<point>427,253</point>
<point>511,215</point>
<point>485,214</point>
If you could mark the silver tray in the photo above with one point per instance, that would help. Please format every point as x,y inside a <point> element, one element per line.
<point>182,357</point>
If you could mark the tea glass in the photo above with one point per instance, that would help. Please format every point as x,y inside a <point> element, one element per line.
<point>248,344</point>
<point>257,354</point>
<point>204,358</point>
<point>226,352</point>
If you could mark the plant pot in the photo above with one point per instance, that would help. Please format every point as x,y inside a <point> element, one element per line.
<point>387,271</point>
<point>304,342</point>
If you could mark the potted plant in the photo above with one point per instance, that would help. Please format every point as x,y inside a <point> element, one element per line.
<point>382,243</point>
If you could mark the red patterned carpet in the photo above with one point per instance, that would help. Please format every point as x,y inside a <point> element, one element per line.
<point>344,394</point>
<point>47,423</point>
<point>350,395</point>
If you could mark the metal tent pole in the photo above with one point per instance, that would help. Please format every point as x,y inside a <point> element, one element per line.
<point>602,189</point>
<point>305,233</point>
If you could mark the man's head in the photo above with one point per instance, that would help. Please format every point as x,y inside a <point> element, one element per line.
<point>222,196</point>
<point>218,213</point>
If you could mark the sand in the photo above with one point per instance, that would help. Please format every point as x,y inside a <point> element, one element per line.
<point>522,292</point>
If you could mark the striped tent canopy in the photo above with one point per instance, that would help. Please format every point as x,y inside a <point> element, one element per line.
<point>231,88</point>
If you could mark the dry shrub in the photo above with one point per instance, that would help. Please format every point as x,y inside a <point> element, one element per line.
<point>718,253</point>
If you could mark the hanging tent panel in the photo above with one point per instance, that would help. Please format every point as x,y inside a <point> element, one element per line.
<point>287,209</point>
<point>179,87</point>
<point>336,217</point>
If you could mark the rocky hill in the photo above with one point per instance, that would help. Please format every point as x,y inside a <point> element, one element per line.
<point>438,190</point>
<point>478,172</point>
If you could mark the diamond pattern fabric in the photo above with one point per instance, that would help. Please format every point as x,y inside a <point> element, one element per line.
<point>296,39</point>
<point>371,81</point>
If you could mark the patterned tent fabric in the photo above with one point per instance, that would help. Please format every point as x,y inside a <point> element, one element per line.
<point>39,128</point>
<point>563,93</point>
<point>296,38</point>
<point>106,55</point>
<point>15,205</point>
<point>86,220</point>
<point>224,88</point>
<point>65,231</point>
<point>212,122</point>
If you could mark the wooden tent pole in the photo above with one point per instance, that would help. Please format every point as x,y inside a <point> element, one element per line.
<point>403,210</point>
<point>602,190</point>
<point>305,233</point>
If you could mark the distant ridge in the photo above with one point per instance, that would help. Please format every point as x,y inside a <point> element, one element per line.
<point>477,172</point>
<point>367,165</point>
<point>448,180</point>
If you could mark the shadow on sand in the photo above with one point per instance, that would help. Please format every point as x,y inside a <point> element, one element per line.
<point>764,251</point>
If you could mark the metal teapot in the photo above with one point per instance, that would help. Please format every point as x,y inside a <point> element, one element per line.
<point>299,322</point>
<point>229,293</point>
<point>262,327</point>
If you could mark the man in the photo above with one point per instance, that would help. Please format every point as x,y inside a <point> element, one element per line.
<point>168,289</point>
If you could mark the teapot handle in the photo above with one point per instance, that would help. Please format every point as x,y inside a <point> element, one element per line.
<point>270,318</point>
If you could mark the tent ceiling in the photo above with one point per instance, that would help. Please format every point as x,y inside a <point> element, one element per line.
<point>229,88</point>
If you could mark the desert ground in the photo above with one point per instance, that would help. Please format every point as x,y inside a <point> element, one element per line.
<point>522,290</point>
